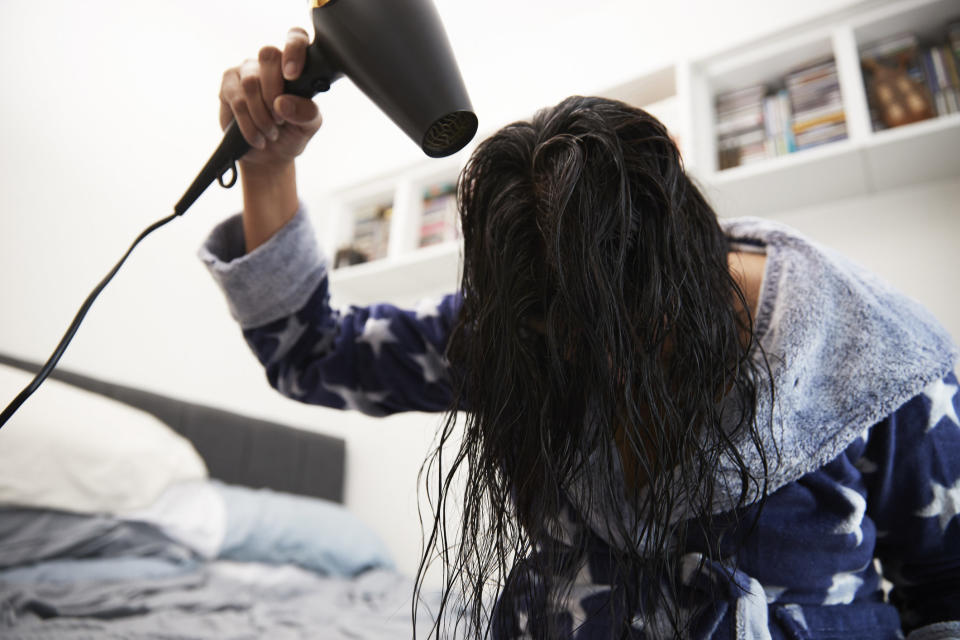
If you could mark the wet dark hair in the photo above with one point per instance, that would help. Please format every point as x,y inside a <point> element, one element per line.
<point>600,332</point>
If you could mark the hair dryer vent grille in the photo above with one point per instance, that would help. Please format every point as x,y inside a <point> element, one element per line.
<point>449,134</point>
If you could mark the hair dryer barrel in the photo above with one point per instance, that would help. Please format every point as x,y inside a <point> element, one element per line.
<point>397,53</point>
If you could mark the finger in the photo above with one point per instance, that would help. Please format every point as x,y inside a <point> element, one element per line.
<point>300,111</point>
<point>271,79</point>
<point>250,79</point>
<point>294,53</point>
<point>231,94</point>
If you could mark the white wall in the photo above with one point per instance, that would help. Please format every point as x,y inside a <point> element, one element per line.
<point>108,109</point>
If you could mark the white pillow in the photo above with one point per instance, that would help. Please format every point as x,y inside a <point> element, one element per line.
<point>70,449</point>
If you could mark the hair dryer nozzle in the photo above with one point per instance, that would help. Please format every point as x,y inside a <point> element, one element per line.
<point>450,133</point>
<point>398,54</point>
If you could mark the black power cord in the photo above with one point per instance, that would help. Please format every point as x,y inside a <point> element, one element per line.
<point>68,336</point>
<point>316,76</point>
<point>221,163</point>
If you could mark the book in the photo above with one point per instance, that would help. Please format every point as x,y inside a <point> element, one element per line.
<point>940,57</point>
<point>900,81</point>
<point>816,104</point>
<point>371,231</point>
<point>803,109</point>
<point>953,37</point>
<point>439,218</point>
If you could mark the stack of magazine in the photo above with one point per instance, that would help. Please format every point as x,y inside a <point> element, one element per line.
<point>439,221</point>
<point>371,231</point>
<point>816,105</point>
<point>802,110</point>
<point>741,136</point>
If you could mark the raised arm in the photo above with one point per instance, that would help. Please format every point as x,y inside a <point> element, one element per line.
<point>378,359</point>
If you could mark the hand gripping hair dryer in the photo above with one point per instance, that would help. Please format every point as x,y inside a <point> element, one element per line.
<point>397,53</point>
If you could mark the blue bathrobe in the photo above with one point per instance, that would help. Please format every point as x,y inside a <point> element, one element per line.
<point>864,438</point>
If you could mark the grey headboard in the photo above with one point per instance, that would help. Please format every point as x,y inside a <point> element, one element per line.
<point>237,449</point>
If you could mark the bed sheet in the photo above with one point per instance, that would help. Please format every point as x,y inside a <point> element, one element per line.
<point>217,599</point>
<point>283,572</point>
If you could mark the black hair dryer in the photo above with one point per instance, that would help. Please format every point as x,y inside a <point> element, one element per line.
<point>397,53</point>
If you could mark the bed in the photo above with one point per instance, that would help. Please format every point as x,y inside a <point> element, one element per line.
<point>128,514</point>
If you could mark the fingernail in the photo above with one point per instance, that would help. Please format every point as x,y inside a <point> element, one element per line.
<point>289,70</point>
<point>284,107</point>
<point>273,134</point>
<point>259,142</point>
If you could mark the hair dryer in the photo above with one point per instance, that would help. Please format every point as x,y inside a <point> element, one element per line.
<point>397,53</point>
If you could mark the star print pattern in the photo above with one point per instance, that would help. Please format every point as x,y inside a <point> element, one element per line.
<point>377,360</point>
<point>941,395</point>
<point>854,523</point>
<point>945,504</point>
<point>357,400</point>
<point>433,365</point>
<point>376,333</point>
<point>843,588</point>
<point>894,494</point>
<point>810,562</point>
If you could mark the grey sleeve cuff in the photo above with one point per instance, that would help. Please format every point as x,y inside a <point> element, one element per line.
<point>937,631</point>
<point>271,282</point>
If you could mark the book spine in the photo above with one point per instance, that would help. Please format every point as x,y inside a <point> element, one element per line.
<point>770,127</point>
<point>932,82</point>
<point>787,119</point>
<point>950,72</point>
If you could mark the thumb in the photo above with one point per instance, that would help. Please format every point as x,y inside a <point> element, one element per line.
<point>301,111</point>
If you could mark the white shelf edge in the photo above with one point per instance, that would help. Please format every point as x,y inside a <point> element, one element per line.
<point>417,257</point>
<point>913,130</point>
<point>781,163</point>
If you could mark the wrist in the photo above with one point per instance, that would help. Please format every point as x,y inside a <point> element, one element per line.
<point>269,200</point>
<point>264,173</point>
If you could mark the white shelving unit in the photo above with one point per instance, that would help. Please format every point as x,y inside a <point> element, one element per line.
<point>682,95</point>
<point>866,161</point>
<point>408,272</point>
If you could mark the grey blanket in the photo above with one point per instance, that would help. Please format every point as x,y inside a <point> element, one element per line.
<point>70,576</point>
<point>216,601</point>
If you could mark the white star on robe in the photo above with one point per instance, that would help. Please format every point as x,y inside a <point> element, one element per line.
<point>945,503</point>
<point>796,613</point>
<point>434,365</point>
<point>941,403</point>
<point>773,592</point>
<point>376,332</point>
<point>428,308</point>
<point>854,522</point>
<point>843,589</point>
<point>522,621</point>
<point>583,588</point>
<point>359,400</point>
<point>287,338</point>
<point>866,465</point>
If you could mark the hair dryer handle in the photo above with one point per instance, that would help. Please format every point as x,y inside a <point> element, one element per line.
<point>317,76</point>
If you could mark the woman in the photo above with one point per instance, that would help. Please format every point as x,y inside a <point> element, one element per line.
<point>674,427</point>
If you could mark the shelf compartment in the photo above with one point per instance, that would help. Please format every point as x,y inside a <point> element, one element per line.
<point>926,23</point>
<point>839,170</point>
<point>402,280</point>
<point>799,179</point>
